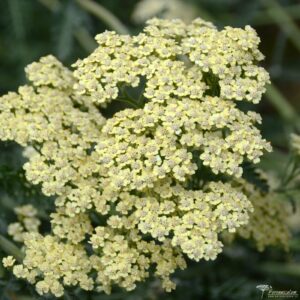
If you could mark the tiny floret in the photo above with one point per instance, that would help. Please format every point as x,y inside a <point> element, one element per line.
<point>8,261</point>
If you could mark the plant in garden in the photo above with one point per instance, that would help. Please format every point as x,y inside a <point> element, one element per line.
<point>158,181</point>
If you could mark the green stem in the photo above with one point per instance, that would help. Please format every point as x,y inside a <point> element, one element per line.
<point>281,104</point>
<point>83,37</point>
<point>284,21</point>
<point>128,102</point>
<point>264,18</point>
<point>286,170</point>
<point>284,188</point>
<point>104,15</point>
<point>11,249</point>
<point>2,271</point>
<point>85,40</point>
<point>52,5</point>
<point>141,98</point>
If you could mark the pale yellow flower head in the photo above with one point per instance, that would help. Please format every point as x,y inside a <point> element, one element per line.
<point>157,181</point>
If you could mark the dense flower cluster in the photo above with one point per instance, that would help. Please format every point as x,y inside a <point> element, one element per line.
<point>28,222</point>
<point>150,185</point>
<point>58,262</point>
<point>268,223</point>
<point>227,57</point>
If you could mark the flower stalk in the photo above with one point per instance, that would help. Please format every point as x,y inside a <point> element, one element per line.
<point>11,249</point>
<point>104,15</point>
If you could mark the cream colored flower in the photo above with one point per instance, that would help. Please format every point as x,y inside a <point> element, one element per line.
<point>8,261</point>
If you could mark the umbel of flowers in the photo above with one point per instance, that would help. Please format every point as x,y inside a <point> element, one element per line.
<point>159,181</point>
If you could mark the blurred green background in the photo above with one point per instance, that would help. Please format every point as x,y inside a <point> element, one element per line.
<point>30,29</point>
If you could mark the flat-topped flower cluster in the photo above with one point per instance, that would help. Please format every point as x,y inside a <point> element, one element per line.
<point>157,182</point>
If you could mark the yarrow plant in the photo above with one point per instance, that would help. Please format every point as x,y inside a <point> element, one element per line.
<point>157,182</point>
